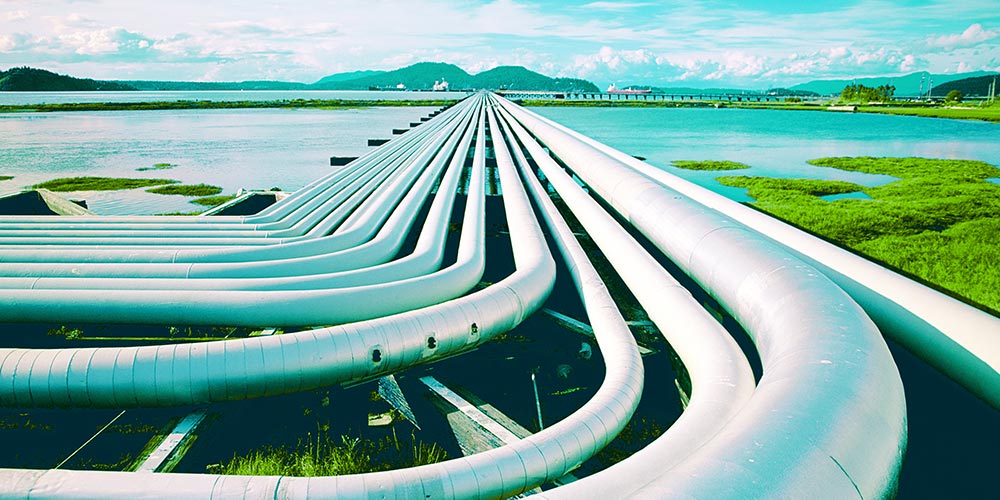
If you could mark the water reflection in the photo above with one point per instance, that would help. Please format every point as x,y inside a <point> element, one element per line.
<point>233,149</point>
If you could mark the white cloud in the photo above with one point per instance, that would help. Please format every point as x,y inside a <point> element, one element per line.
<point>973,35</point>
<point>104,41</point>
<point>614,5</point>
<point>15,15</point>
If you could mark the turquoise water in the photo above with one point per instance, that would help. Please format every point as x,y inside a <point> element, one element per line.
<point>15,98</point>
<point>776,143</point>
<point>857,195</point>
<point>233,149</point>
<point>287,148</point>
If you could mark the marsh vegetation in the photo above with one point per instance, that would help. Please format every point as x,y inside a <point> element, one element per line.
<point>66,184</point>
<point>709,165</point>
<point>187,190</point>
<point>322,455</point>
<point>939,222</point>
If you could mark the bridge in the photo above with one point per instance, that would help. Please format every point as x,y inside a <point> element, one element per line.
<point>826,419</point>
<point>646,97</point>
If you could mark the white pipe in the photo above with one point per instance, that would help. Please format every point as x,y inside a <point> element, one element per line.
<point>828,416</point>
<point>960,341</point>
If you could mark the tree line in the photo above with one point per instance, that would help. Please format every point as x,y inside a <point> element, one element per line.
<point>860,93</point>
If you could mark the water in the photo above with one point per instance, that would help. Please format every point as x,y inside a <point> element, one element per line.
<point>233,149</point>
<point>19,98</point>
<point>287,148</point>
<point>264,148</point>
<point>856,195</point>
<point>776,143</point>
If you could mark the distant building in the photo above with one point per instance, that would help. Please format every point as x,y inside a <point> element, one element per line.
<point>441,85</point>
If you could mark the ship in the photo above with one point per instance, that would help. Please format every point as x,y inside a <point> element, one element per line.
<point>628,90</point>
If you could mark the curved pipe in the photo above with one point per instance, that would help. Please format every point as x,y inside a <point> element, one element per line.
<point>324,255</point>
<point>275,214</point>
<point>317,223</point>
<point>498,473</point>
<point>828,416</point>
<point>425,258</point>
<point>958,340</point>
<point>720,375</point>
<point>72,251</point>
<point>256,308</point>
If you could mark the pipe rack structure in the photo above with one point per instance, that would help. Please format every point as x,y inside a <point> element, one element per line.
<point>825,420</point>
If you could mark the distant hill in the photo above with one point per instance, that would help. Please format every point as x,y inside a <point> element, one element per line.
<point>906,85</point>
<point>247,85</point>
<point>418,76</point>
<point>978,86</point>
<point>351,75</point>
<point>520,78</point>
<point>422,76</point>
<point>25,79</point>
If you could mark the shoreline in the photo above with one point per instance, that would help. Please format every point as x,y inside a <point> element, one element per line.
<point>988,114</point>
<point>206,104</point>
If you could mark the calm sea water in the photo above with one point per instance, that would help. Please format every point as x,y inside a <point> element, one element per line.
<point>15,98</point>
<point>233,149</point>
<point>777,143</point>
<point>952,435</point>
<point>287,148</point>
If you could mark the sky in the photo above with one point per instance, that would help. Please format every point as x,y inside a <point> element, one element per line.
<point>696,43</point>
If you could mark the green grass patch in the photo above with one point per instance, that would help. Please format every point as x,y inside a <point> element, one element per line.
<point>213,201</point>
<point>6,177</point>
<point>939,222</point>
<point>710,165</point>
<point>187,190</point>
<point>990,114</point>
<point>323,456</point>
<point>157,166</point>
<point>99,183</point>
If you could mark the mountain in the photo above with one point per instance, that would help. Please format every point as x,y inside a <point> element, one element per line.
<point>520,78</point>
<point>422,76</point>
<point>247,85</point>
<point>31,79</point>
<point>976,86</point>
<point>351,75</point>
<point>906,85</point>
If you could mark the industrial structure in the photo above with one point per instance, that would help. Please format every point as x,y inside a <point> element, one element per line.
<point>826,419</point>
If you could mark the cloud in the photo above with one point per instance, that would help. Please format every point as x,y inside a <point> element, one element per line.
<point>15,15</point>
<point>614,5</point>
<point>16,42</point>
<point>115,40</point>
<point>973,35</point>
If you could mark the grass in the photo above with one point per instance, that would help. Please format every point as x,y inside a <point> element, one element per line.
<point>983,113</point>
<point>990,114</point>
<point>939,222</point>
<point>188,104</point>
<point>213,201</point>
<point>187,190</point>
<point>99,183</point>
<point>157,166</point>
<point>709,165</point>
<point>6,177</point>
<point>323,456</point>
